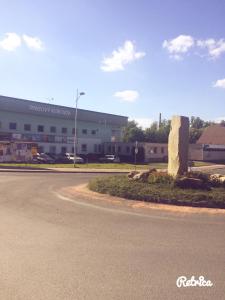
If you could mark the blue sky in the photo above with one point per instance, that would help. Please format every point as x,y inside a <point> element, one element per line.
<point>133,58</point>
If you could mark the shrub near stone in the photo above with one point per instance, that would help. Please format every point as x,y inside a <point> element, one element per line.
<point>192,183</point>
<point>161,177</point>
<point>159,189</point>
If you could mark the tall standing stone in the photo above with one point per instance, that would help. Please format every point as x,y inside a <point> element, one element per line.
<point>178,146</point>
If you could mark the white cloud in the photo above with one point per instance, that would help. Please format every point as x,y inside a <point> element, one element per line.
<point>179,45</point>
<point>209,43</point>
<point>33,42</point>
<point>143,122</point>
<point>215,48</point>
<point>182,44</point>
<point>127,95</point>
<point>220,83</point>
<point>176,57</point>
<point>10,42</point>
<point>120,57</point>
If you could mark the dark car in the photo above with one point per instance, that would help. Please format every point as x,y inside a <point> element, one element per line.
<point>109,158</point>
<point>42,158</point>
<point>62,159</point>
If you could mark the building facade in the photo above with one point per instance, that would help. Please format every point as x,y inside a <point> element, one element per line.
<point>211,145</point>
<point>17,151</point>
<point>147,152</point>
<point>51,127</point>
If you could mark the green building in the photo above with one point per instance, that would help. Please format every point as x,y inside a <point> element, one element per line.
<point>51,127</point>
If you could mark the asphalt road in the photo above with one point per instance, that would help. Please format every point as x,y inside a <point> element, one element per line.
<point>58,248</point>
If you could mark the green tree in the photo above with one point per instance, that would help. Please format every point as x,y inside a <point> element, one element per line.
<point>222,122</point>
<point>150,133</point>
<point>196,122</point>
<point>194,135</point>
<point>158,134</point>
<point>132,132</point>
<point>197,126</point>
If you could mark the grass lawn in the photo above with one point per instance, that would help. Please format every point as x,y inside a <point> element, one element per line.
<point>98,165</point>
<point>86,166</point>
<point>158,192</point>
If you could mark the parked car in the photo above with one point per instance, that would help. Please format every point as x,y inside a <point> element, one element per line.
<point>42,158</point>
<point>109,158</point>
<point>78,159</point>
<point>62,159</point>
<point>68,158</point>
<point>52,155</point>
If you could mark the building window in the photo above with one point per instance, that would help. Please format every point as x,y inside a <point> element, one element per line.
<point>128,149</point>
<point>8,151</point>
<point>53,129</point>
<point>63,149</point>
<point>162,150</point>
<point>155,150</point>
<point>109,149</point>
<point>93,132</point>
<point>95,148</point>
<point>52,149</point>
<point>27,127</point>
<point>99,148</point>
<point>12,126</point>
<point>84,131</point>
<point>119,149</point>
<point>83,147</point>
<point>64,130</point>
<point>40,128</point>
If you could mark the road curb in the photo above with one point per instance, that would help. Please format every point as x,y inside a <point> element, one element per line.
<point>83,190</point>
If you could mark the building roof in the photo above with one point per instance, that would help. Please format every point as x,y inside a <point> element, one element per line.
<point>57,111</point>
<point>214,135</point>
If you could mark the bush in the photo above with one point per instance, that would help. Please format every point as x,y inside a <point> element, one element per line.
<point>199,175</point>
<point>207,179</point>
<point>121,186</point>
<point>191,183</point>
<point>160,177</point>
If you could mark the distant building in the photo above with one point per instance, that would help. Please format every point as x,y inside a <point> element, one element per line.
<point>51,127</point>
<point>147,152</point>
<point>210,146</point>
<point>213,135</point>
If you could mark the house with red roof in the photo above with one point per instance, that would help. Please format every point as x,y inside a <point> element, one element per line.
<point>210,146</point>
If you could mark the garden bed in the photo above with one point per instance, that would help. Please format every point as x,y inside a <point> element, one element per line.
<point>121,186</point>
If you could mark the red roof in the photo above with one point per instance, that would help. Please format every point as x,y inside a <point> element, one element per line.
<point>214,135</point>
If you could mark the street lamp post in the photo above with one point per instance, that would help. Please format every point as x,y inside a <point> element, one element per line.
<point>75,128</point>
<point>135,155</point>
